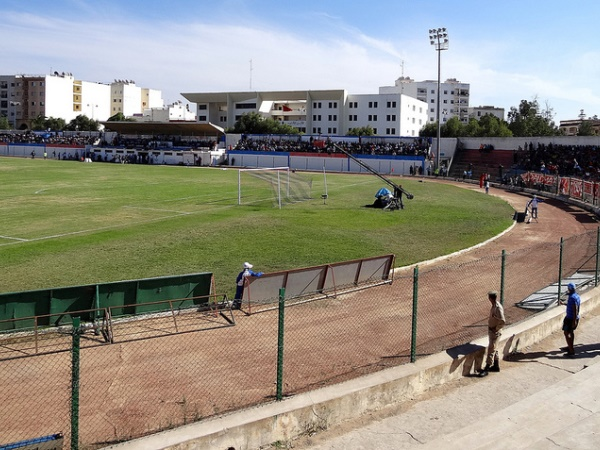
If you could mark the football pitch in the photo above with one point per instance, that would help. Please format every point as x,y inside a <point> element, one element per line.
<point>66,223</point>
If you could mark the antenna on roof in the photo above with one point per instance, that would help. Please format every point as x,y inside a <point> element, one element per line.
<point>250,74</point>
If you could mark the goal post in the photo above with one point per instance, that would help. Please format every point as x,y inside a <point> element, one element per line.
<point>276,185</point>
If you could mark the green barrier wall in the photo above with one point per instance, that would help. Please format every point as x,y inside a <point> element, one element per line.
<point>124,297</point>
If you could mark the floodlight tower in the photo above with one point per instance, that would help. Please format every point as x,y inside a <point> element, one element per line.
<point>438,37</point>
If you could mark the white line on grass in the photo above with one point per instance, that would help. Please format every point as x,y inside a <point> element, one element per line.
<point>181,213</point>
<point>94,230</point>
<point>14,238</point>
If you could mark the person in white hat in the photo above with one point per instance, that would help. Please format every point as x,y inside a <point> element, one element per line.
<point>533,203</point>
<point>241,281</point>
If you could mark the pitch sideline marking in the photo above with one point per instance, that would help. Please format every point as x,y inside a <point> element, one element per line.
<point>14,238</point>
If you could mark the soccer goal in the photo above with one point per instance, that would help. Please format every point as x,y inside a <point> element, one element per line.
<point>277,185</point>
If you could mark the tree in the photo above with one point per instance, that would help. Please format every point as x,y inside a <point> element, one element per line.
<point>492,126</point>
<point>254,123</point>
<point>4,124</point>
<point>429,130</point>
<point>55,124</point>
<point>39,123</point>
<point>120,117</point>
<point>83,123</point>
<point>361,131</point>
<point>586,128</point>
<point>527,120</point>
<point>473,128</point>
<point>452,128</point>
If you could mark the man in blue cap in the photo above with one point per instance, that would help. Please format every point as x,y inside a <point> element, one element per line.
<point>571,318</point>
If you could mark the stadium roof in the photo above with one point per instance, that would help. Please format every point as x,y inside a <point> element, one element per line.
<point>224,97</point>
<point>165,128</point>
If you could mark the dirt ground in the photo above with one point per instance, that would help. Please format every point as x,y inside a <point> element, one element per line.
<point>138,387</point>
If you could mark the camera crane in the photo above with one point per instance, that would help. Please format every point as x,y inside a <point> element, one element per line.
<point>396,201</point>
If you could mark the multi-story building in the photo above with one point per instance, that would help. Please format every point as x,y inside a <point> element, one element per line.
<point>328,112</point>
<point>24,98</point>
<point>454,96</point>
<point>176,112</point>
<point>571,127</point>
<point>129,99</point>
<point>477,112</point>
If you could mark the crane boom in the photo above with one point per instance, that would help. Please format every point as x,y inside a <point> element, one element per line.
<point>398,190</point>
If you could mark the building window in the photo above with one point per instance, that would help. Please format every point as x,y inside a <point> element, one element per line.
<point>223,118</point>
<point>202,107</point>
<point>374,130</point>
<point>316,105</point>
<point>245,106</point>
<point>202,118</point>
<point>332,105</point>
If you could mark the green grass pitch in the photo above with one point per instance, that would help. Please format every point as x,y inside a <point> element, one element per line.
<point>67,223</point>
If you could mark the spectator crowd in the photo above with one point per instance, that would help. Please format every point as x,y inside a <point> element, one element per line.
<point>580,161</point>
<point>414,147</point>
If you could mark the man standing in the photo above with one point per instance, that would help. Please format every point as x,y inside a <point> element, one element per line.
<point>496,322</point>
<point>571,318</point>
<point>533,203</point>
<point>240,283</point>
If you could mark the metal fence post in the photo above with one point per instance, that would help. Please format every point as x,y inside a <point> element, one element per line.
<point>413,343</point>
<point>502,269</point>
<point>597,254</point>
<point>75,383</point>
<point>560,262</point>
<point>280,333</point>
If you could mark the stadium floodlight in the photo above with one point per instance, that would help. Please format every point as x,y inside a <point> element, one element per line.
<point>438,37</point>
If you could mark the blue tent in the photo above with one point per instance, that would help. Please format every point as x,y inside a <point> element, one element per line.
<point>383,192</point>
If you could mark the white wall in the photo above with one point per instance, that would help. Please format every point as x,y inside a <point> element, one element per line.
<point>59,97</point>
<point>95,100</point>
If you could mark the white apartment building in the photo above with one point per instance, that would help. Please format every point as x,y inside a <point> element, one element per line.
<point>454,96</point>
<point>326,112</point>
<point>177,112</point>
<point>24,98</point>
<point>477,112</point>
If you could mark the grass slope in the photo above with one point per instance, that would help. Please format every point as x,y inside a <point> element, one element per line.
<point>67,223</point>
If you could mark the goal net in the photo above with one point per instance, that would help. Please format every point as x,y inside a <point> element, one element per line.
<point>278,186</point>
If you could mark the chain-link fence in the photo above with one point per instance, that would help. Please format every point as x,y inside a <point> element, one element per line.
<point>156,376</point>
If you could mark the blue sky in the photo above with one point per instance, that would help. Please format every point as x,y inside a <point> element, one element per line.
<point>508,51</point>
